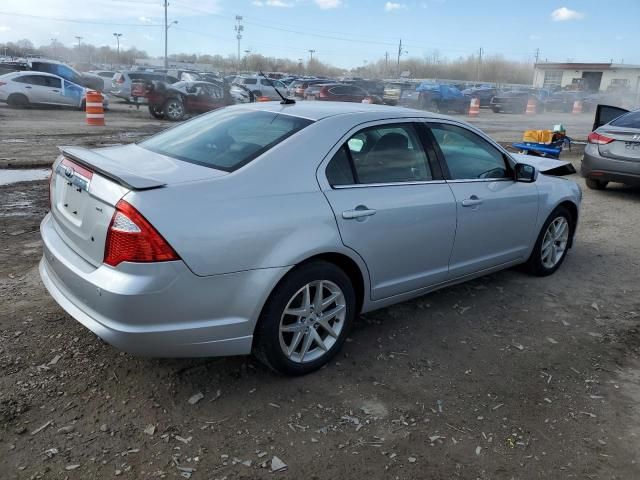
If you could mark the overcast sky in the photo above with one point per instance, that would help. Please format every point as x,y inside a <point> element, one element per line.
<point>346,33</point>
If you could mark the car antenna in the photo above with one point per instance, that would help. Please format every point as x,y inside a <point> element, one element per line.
<point>285,101</point>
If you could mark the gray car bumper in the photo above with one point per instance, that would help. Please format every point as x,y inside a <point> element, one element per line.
<point>157,309</point>
<point>609,169</point>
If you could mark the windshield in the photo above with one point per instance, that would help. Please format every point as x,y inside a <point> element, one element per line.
<point>226,139</point>
<point>628,120</point>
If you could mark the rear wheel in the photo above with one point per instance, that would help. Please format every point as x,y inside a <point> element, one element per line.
<point>594,184</point>
<point>156,112</point>
<point>552,245</point>
<point>306,319</point>
<point>173,110</point>
<point>17,100</point>
<point>495,109</point>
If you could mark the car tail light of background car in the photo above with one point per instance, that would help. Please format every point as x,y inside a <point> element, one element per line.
<point>131,238</point>
<point>598,139</point>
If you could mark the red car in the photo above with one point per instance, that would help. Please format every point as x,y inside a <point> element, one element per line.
<point>346,93</point>
<point>174,101</point>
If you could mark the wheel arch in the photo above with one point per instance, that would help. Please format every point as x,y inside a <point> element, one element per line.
<point>573,210</point>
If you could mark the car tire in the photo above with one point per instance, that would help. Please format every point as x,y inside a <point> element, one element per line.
<point>553,243</point>
<point>495,110</point>
<point>156,112</point>
<point>280,338</point>
<point>83,106</point>
<point>173,110</point>
<point>594,184</point>
<point>17,100</point>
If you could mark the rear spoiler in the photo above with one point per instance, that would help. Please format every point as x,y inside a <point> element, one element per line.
<point>108,168</point>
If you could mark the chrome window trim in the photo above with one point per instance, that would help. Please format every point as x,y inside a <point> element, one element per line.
<point>475,180</point>
<point>389,184</point>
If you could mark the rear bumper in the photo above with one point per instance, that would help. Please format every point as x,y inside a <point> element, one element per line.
<point>159,309</point>
<point>608,169</point>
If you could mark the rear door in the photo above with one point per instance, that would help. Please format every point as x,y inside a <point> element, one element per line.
<point>392,206</point>
<point>495,214</point>
<point>34,87</point>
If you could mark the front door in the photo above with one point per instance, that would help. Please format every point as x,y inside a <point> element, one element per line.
<point>496,215</point>
<point>392,207</point>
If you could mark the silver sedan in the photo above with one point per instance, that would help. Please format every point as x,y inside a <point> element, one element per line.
<point>268,228</point>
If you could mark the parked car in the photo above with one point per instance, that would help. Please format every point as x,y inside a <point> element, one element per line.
<point>262,87</point>
<point>26,88</point>
<point>612,153</point>
<point>60,69</point>
<point>393,91</point>
<point>374,87</point>
<point>346,93</point>
<point>106,75</point>
<point>298,87</point>
<point>409,98</point>
<point>121,82</point>
<point>562,101</point>
<point>442,98</point>
<point>482,93</point>
<point>312,92</point>
<point>175,101</point>
<point>270,228</point>
<point>514,101</point>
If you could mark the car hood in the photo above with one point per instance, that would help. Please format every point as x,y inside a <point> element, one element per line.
<point>548,166</point>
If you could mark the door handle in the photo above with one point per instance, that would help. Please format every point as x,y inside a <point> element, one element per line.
<point>359,212</point>
<point>471,201</point>
<point>56,91</point>
<point>27,86</point>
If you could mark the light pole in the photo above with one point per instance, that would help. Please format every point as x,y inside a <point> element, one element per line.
<point>53,45</point>
<point>118,35</point>
<point>239,28</point>
<point>311,52</point>
<point>300,66</point>
<point>246,58</point>
<point>166,34</point>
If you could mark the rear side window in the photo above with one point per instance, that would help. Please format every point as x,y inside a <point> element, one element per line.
<point>383,154</point>
<point>226,139</point>
<point>628,120</point>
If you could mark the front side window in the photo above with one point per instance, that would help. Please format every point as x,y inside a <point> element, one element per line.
<point>467,155</point>
<point>225,139</point>
<point>382,154</point>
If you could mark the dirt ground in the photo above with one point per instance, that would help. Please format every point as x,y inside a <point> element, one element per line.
<point>506,377</point>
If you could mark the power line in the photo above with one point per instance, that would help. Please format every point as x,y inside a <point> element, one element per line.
<point>72,20</point>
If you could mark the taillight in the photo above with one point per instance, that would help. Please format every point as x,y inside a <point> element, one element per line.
<point>131,238</point>
<point>598,139</point>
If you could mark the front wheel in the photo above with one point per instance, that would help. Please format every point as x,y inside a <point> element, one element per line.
<point>306,319</point>
<point>552,245</point>
<point>173,110</point>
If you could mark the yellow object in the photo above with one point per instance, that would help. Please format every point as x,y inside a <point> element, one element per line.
<point>537,136</point>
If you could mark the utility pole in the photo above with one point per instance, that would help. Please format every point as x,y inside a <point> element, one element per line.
<point>166,34</point>
<point>300,66</point>
<point>311,52</point>
<point>537,54</point>
<point>246,58</point>
<point>480,52</point>
<point>118,35</point>
<point>386,64</point>
<point>79,41</point>
<point>239,28</point>
<point>399,55</point>
<point>53,44</point>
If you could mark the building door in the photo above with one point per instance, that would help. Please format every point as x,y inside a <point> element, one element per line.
<point>591,81</point>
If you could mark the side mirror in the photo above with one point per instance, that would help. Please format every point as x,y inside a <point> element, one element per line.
<point>526,173</point>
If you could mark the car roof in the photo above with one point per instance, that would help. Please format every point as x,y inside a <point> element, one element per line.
<point>319,110</point>
<point>34,72</point>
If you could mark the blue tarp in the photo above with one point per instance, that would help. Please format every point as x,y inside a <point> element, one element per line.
<point>446,92</point>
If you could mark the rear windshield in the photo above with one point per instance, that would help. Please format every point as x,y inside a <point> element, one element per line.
<point>628,120</point>
<point>226,139</point>
<point>248,81</point>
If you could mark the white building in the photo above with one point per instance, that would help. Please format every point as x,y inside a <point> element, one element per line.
<point>592,77</point>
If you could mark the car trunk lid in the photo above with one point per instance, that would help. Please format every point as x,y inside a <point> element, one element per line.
<point>625,145</point>
<point>86,185</point>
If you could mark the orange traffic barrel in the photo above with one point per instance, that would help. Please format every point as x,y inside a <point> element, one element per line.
<point>531,107</point>
<point>577,107</point>
<point>474,107</point>
<point>94,108</point>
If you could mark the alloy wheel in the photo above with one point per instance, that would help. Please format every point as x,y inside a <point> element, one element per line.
<point>312,321</point>
<point>554,243</point>
<point>174,109</point>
